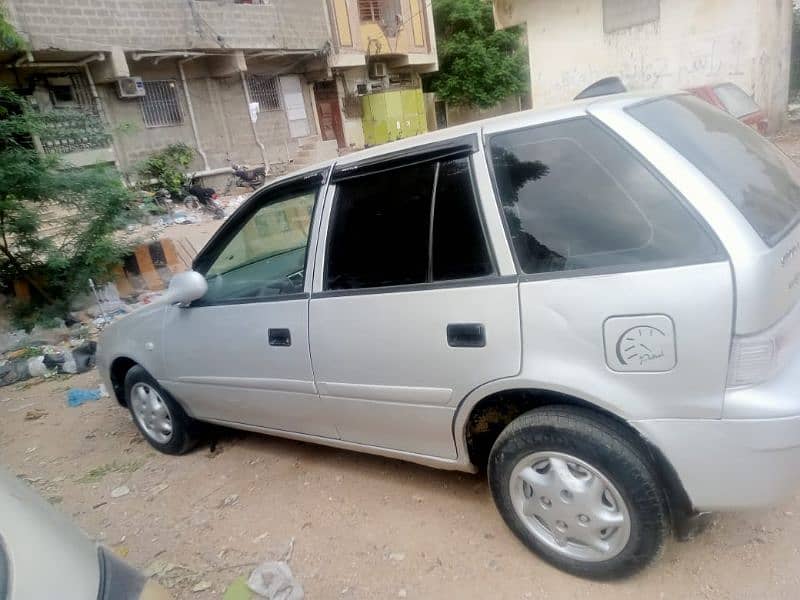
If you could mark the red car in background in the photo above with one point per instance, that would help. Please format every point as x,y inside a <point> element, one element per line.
<point>734,100</point>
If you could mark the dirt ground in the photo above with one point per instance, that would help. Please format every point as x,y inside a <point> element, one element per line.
<point>363,527</point>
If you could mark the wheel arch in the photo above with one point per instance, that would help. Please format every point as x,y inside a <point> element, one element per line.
<point>117,371</point>
<point>481,417</point>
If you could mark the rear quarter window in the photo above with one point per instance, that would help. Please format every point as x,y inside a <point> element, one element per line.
<point>575,198</point>
<point>759,179</point>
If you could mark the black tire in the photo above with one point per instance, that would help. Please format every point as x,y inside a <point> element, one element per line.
<point>613,451</point>
<point>184,428</point>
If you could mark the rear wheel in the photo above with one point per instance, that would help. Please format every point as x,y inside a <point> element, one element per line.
<point>579,491</point>
<point>161,420</point>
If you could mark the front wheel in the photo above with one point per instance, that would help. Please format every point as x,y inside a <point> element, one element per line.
<point>160,419</point>
<point>578,490</point>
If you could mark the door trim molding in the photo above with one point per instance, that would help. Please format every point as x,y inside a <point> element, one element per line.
<point>386,393</point>
<point>257,383</point>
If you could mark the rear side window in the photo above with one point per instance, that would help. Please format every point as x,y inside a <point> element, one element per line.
<point>409,225</point>
<point>760,180</point>
<point>576,198</point>
<point>735,100</point>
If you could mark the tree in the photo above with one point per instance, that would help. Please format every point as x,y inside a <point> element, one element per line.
<point>478,65</point>
<point>57,223</point>
<point>9,38</point>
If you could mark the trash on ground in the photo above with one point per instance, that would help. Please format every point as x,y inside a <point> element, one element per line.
<point>120,491</point>
<point>238,590</point>
<point>35,414</point>
<point>201,586</point>
<point>229,500</point>
<point>78,396</point>
<point>274,580</point>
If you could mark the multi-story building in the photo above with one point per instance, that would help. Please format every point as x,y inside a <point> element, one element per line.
<point>252,82</point>
<point>380,47</point>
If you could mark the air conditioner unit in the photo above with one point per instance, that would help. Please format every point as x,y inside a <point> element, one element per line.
<point>377,70</point>
<point>130,87</point>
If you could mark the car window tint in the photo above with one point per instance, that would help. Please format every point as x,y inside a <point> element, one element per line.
<point>735,100</point>
<point>267,256</point>
<point>380,229</point>
<point>576,198</point>
<point>459,245</point>
<point>760,180</point>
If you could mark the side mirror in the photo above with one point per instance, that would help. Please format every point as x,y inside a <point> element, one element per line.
<point>186,287</point>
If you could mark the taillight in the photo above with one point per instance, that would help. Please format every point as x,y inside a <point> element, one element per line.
<point>756,358</point>
<point>752,360</point>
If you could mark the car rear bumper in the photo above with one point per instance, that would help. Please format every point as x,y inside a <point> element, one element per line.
<point>730,464</point>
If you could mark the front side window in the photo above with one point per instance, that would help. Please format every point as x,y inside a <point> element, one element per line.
<point>760,180</point>
<point>409,225</point>
<point>575,198</point>
<point>266,257</point>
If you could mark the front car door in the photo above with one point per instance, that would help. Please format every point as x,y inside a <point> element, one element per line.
<point>240,354</point>
<point>410,309</point>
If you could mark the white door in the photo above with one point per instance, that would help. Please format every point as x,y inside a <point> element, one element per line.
<point>240,354</point>
<point>294,103</point>
<point>410,313</point>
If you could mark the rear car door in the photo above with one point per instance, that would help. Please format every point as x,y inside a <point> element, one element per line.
<point>240,354</point>
<point>409,311</point>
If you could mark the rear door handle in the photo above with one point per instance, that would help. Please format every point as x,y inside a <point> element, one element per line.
<point>466,335</point>
<point>279,337</point>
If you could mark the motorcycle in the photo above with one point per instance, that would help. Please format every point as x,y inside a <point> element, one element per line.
<point>198,196</point>
<point>252,178</point>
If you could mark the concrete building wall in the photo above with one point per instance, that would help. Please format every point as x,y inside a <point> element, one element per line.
<point>222,117</point>
<point>169,24</point>
<point>693,42</point>
<point>456,115</point>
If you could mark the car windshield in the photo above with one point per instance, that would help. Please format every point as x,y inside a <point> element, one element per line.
<point>756,176</point>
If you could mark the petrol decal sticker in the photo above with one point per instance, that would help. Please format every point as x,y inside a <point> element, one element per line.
<point>641,343</point>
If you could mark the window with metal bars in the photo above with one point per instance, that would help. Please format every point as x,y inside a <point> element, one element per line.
<point>264,90</point>
<point>370,10</point>
<point>160,105</point>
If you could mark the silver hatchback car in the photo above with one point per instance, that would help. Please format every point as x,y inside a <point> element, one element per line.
<point>597,303</point>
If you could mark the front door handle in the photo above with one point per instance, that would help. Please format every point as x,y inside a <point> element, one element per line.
<point>466,335</point>
<point>279,337</point>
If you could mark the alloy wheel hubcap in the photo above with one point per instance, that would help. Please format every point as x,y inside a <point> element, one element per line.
<point>570,506</point>
<point>151,412</point>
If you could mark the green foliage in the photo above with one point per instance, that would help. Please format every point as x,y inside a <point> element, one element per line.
<point>478,66</point>
<point>57,223</point>
<point>168,167</point>
<point>9,38</point>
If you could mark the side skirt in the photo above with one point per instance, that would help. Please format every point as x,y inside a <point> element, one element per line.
<point>446,464</point>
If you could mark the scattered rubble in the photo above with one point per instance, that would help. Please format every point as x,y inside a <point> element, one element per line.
<point>35,414</point>
<point>274,580</point>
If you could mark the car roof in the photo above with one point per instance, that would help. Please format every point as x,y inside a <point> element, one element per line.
<point>492,124</point>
